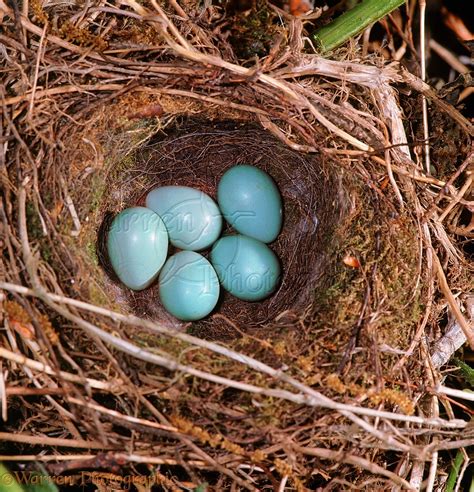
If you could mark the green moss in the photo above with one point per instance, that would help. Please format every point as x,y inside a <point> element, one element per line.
<point>91,251</point>
<point>36,233</point>
<point>97,192</point>
<point>466,371</point>
<point>33,223</point>
<point>388,252</point>
<point>46,251</point>
<point>48,199</point>
<point>157,342</point>
<point>97,296</point>
<point>252,34</point>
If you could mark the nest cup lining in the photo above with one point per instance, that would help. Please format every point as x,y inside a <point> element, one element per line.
<point>196,153</point>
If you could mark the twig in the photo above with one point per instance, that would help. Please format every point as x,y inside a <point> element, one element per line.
<point>465,465</point>
<point>468,161</point>
<point>3,395</point>
<point>283,482</point>
<point>412,174</point>
<point>452,340</point>
<point>130,458</point>
<point>434,411</point>
<point>447,445</point>
<point>65,89</point>
<point>128,418</point>
<point>427,91</point>
<point>72,210</point>
<point>393,182</point>
<point>50,441</point>
<point>448,57</point>
<point>327,454</point>
<point>426,131</point>
<point>39,366</point>
<point>154,460</point>
<point>355,73</point>
<point>463,323</point>
<point>466,186</point>
<point>20,391</point>
<point>37,65</point>
<point>45,457</point>
<point>444,390</point>
<point>416,475</point>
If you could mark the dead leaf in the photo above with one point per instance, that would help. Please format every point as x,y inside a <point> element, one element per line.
<point>149,111</point>
<point>299,7</point>
<point>351,261</point>
<point>25,330</point>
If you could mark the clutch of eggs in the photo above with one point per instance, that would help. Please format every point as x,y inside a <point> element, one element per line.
<point>191,221</point>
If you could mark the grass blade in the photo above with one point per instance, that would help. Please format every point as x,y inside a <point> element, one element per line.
<point>353,22</point>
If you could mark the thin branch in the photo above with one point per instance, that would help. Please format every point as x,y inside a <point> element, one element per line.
<point>327,454</point>
<point>51,441</point>
<point>463,323</point>
<point>73,378</point>
<point>426,130</point>
<point>452,340</point>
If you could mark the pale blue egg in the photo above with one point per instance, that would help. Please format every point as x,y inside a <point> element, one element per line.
<point>189,287</point>
<point>137,245</point>
<point>192,218</point>
<point>250,202</point>
<point>246,267</point>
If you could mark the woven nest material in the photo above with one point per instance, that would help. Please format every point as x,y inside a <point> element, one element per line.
<point>197,155</point>
<point>334,368</point>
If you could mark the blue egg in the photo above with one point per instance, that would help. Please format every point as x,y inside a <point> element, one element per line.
<point>192,218</point>
<point>246,267</point>
<point>137,245</point>
<point>250,202</point>
<point>189,287</point>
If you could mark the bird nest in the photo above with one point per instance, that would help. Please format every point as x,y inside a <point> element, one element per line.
<point>334,367</point>
<point>197,153</point>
